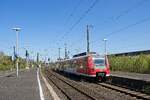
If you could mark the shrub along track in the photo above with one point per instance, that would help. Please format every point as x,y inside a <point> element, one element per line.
<point>74,90</point>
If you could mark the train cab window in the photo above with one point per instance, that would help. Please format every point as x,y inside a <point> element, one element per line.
<point>99,62</point>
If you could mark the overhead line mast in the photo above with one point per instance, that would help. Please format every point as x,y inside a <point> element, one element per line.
<point>65,51</point>
<point>88,42</point>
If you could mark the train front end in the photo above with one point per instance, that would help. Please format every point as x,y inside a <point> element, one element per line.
<point>99,67</point>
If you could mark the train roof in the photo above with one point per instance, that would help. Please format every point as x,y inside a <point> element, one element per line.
<point>84,54</point>
<point>94,56</point>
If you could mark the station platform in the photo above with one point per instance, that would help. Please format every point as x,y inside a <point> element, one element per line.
<point>24,87</point>
<point>129,75</point>
<point>133,81</point>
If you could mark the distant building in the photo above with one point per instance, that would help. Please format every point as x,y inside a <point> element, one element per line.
<point>133,53</point>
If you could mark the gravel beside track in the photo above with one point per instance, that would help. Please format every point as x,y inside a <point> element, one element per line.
<point>47,95</point>
<point>126,91</point>
<point>59,93</point>
<point>109,93</point>
<point>71,92</point>
<point>94,90</point>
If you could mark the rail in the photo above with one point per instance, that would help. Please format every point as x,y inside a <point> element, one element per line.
<point>69,84</point>
<point>126,91</point>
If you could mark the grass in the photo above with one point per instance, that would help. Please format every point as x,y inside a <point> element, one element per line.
<point>137,64</point>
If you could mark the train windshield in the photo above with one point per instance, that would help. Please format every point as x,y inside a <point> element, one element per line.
<point>99,62</point>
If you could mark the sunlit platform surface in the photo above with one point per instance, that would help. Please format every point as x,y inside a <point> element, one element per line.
<point>25,87</point>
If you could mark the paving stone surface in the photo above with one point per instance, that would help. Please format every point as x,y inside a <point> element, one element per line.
<point>25,87</point>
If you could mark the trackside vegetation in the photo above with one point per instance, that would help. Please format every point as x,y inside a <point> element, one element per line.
<point>6,62</point>
<point>138,64</point>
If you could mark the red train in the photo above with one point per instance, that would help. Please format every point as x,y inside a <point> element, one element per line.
<point>87,65</point>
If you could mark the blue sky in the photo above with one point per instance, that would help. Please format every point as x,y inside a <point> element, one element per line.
<point>46,25</point>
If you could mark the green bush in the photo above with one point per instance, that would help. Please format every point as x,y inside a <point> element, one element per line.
<point>138,64</point>
<point>6,62</point>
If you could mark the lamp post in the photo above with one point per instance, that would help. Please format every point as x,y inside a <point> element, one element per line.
<point>105,40</point>
<point>17,32</point>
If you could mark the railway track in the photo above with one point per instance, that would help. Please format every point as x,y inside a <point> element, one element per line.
<point>68,89</point>
<point>126,91</point>
<point>92,91</point>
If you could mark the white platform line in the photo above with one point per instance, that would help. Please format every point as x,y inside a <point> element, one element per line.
<point>53,93</point>
<point>40,87</point>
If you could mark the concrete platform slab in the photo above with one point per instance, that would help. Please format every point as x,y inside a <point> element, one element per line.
<point>136,76</point>
<point>25,87</point>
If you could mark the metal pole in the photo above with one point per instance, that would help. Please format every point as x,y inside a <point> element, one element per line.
<point>105,48</point>
<point>65,51</point>
<point>14,55</point>
<point>27,58</point>
<point>45,60</point>
<point>17,50</point>
<point>27,63</point>
<point>105,40</point>
<point>17,31</point>
<point>88,43</point>
<point>37,59</point>
<point>59,53</point>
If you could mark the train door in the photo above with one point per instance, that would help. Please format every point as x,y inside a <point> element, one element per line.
<point>84,64</point>
<point>90,64</point>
